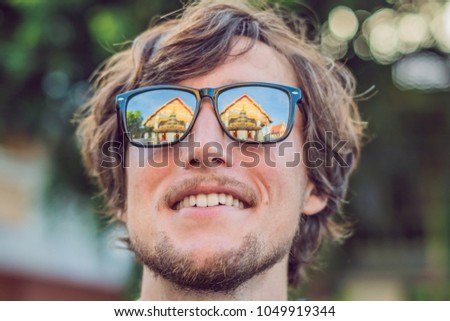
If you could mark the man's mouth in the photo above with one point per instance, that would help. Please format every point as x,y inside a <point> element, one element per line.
<point>209,200</point>
<point>210,191</point>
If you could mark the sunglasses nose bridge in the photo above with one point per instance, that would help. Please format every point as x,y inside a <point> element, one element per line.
<point>206,92</point>
<point>207,135</point>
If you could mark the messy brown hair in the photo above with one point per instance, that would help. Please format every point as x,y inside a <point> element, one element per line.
<point>196,42</point>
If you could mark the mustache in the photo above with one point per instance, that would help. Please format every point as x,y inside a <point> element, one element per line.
<point>245,190</point>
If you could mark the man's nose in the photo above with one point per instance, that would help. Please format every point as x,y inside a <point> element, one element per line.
<point>207,140</point>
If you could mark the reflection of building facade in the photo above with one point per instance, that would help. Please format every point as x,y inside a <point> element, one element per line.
<point>168,122</point>
<point>245,119</point>
<point>277,131</point>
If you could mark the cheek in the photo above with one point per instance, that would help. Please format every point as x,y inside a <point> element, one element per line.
<point>283,185</point>
<point>144,177</point>
<point>289,173</point>
<point>284,206</point>
<point>286,189</point>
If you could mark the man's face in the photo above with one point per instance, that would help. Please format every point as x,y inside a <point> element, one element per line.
<point>219,247</point>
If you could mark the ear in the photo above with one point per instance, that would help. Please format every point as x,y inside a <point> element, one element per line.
<point>313,203</point>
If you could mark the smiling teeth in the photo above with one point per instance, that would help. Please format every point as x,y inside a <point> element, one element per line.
<point>206,200</point>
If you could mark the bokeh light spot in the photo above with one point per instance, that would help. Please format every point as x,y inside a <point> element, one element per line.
<point>343,23</point>
<point>440,27</point>
<point>361,48</point>
<point>332,46</point>
<point>424,71</point>
<point>384,42</point>
<point>412,28</point>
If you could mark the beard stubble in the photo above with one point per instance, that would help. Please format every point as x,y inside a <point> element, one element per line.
<point>221,273</point>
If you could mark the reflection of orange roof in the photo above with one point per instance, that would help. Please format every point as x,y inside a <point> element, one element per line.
<point>278,129</point>
<point>176,106</point>
<point>241,100</point>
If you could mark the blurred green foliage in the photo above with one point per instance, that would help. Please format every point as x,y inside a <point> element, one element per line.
<point>49,49</point>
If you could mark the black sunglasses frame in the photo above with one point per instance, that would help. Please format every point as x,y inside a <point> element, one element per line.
<point>122,100</point>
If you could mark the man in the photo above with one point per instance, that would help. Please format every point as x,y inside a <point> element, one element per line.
<point>227,178</point>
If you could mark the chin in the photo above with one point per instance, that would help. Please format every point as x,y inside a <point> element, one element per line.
<point>209,265</point>
<point>208,246</point>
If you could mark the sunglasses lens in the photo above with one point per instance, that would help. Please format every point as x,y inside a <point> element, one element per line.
<point>159,116</point>
<point>254,113</point>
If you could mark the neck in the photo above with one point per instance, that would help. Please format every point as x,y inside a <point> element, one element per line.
<point>270,285</point>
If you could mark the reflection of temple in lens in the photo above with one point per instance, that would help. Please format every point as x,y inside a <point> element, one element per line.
<point>168,122</point>
<point>246,120</point>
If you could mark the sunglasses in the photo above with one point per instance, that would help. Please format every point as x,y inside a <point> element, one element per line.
<point>249,112</point>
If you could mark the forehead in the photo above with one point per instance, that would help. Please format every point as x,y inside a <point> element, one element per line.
<point>260,63</point>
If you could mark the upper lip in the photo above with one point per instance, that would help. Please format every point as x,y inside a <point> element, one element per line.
<point>244,194</point>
